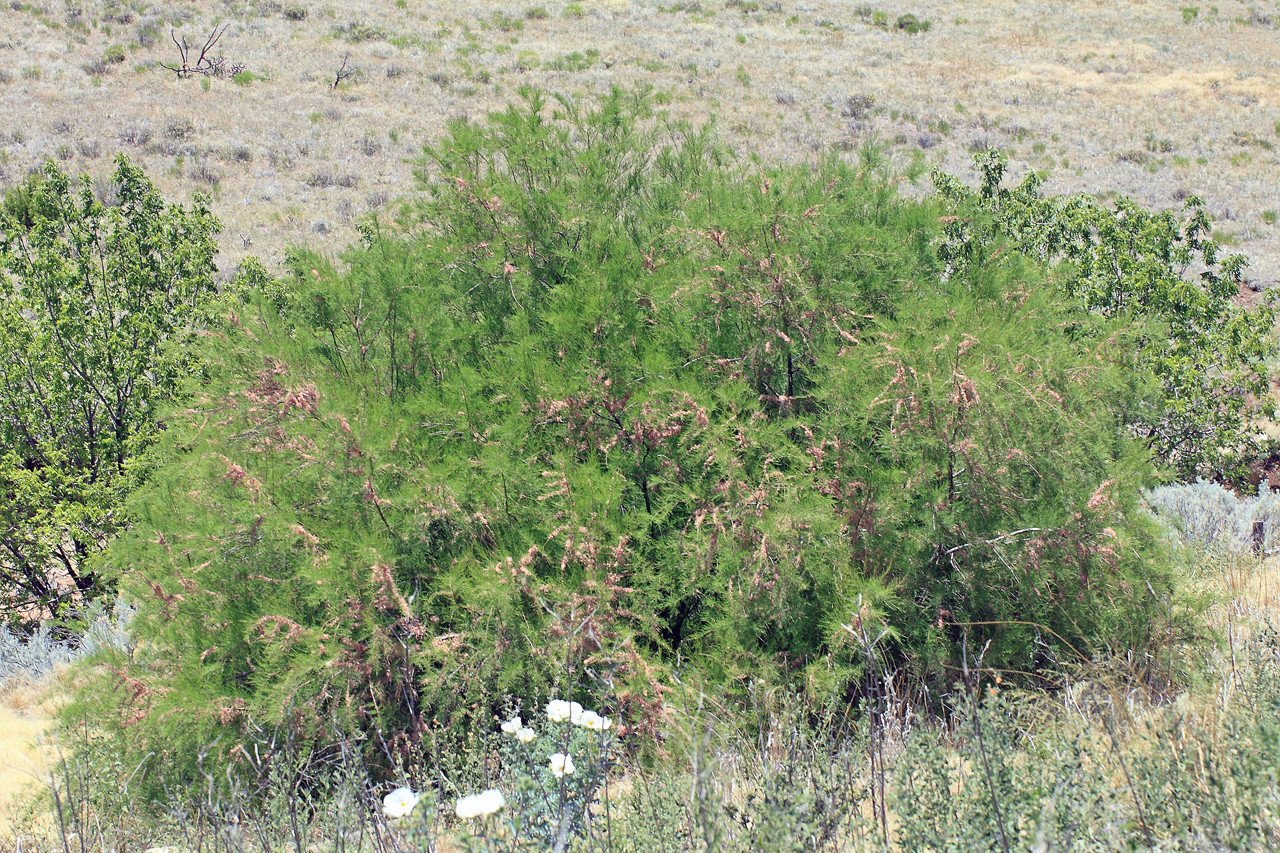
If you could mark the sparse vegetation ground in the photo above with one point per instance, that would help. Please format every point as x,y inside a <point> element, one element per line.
<point>1128,99</point>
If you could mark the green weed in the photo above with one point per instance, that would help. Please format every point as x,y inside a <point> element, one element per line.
<point>1157,146</point>
<point>357,32</point>
<point>911,25</point>
<point>507,23</point>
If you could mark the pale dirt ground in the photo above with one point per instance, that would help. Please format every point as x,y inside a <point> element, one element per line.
<point>1067,87</point>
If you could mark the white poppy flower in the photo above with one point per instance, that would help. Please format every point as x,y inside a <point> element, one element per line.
<point>399,802</point>
<point>561,765</point>
<point>512,725</point>
<point>558,711</point>
<point>525,734</point>
<point>479,805</point>
<point>593,721</point>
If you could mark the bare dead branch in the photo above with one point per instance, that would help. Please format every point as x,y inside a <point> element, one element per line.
<point>206,65</point>
<point>343,72</point>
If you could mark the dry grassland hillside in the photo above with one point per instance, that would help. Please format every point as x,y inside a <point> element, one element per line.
<point>1145,99</point>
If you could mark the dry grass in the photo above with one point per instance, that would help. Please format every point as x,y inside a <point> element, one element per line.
<point>1083,91</point>
<point>1250,587</point>
<point>25,715</point>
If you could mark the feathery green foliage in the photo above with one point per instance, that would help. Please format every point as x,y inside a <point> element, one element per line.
<point>615,400</point>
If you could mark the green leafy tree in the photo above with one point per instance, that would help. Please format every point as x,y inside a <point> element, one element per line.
<point>99,306</point>
<point>1164,277</point>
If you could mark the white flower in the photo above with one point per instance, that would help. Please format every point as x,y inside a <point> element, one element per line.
<point>558,710</point>
<point>561,765</point>
<point>479,805</point>
<point>512,725</point>
<point>525,734</point>
<point>399,802</point>
<point>595,722</point>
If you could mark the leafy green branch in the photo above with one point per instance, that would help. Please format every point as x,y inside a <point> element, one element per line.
<point>1164,276</point>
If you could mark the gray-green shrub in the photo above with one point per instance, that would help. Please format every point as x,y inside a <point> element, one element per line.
<point>1209,515</point>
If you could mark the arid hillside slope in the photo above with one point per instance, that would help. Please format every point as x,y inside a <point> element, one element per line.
<point>1144,99</point>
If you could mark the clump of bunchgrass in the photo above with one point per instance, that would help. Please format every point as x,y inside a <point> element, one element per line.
<point>1110,769</point>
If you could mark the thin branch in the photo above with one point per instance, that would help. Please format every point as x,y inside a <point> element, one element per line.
<point>982,745</point>
<point>205,65</point>
<point>343,72</point>
<point>994,540</point>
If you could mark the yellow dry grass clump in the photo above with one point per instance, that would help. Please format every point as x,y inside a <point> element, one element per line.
<point>26,755</point>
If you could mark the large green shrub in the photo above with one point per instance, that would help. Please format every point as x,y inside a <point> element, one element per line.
<point>617,404</point>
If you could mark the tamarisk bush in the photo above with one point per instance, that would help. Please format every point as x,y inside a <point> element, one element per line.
<point>712,414</point>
